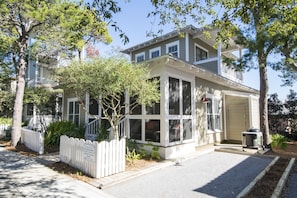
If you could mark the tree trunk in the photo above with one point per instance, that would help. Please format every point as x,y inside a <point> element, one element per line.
<point>264,127</point>
<point>20,88</point>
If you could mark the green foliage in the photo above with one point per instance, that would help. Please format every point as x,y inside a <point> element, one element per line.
<point>103,133</point>
<point>56,129</point>
<point>5,120</point>
<point>6,103</point>
<point>132,144</point>
<point>116,76</point>
<point>278,141</point>
<point>131,156</point>
<point>155,153</point>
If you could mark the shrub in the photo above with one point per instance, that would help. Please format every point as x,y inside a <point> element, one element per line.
<point>5,121</point>
<point>278,141</point>
<point>103,133</point>
<point>56,129</point>
<point>131,156</point>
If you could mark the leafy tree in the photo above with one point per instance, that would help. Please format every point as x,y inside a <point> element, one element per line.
<point>268,29</point>
<point>275,105</point>
<point>41,19</point>
<point>275,112</point>
<point>111,78</point>
<point>291,103</point>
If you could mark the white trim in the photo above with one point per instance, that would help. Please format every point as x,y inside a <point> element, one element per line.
<point>187,48</point>
<point>154,50</point>
<point>173,44</point>
<point>212,97</point>
<point>87,99</point>
<point>205,60</point>
<point>138,55</point>
<point>199,46</point>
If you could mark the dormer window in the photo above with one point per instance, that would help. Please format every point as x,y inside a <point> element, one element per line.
<point>139,57</point>
<point>173,48</point>
<point>155,52</point>
<point>200,53</point>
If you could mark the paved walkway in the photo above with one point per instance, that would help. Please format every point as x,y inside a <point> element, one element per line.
<point>22,176</point>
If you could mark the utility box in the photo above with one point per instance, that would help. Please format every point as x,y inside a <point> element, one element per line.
<point>252,138</point>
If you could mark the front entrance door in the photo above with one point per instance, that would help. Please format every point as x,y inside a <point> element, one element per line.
<point>237,120</point>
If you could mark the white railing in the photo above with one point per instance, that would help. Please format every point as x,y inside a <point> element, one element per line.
<point>93,158</point>
<point>3,128</point>
<point>92,130</point>
<point>33,140</point>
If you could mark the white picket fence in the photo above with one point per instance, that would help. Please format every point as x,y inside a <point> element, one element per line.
<point>34,140</point>
<point>93,158</point>
<point>3,128</point>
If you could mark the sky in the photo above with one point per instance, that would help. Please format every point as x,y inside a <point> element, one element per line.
<point>134,22</point>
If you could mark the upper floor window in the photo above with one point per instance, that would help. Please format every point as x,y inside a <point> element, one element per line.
<point>173,48</point>
<point>214,114</point>
<point>139,57</point>
<point>200,53</point>
<point>155,52</point>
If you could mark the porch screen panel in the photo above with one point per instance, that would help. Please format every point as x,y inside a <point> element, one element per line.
<point>173,96</point>
<point>152,130</point>
<point>186,98</point>
<point>135,129</point>
<point>187,129</point>
<point>174,130</point>
<point>155,108</point>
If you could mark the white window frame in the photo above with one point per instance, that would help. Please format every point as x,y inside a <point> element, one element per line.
<point>199,46</point>
<point>138,55</point>
<point>68,105</point>
<point>171,45</point>
<point>156,49</point>
<point>212,98</point>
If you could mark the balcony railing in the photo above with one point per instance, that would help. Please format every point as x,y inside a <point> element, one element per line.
<point>41,81</point>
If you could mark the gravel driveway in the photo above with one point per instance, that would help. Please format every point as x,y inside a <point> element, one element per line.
<point>215,174</point>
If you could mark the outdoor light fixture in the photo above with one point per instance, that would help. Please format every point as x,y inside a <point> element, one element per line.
<point>205,100</point>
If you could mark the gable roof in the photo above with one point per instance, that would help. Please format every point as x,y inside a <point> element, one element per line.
<point>195,32</point>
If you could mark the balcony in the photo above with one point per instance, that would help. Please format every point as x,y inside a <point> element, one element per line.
<point>42,82</point>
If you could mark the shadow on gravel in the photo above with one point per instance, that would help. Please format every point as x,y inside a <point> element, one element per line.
<point>239,176</point>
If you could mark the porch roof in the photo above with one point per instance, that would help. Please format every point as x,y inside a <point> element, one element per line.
<point>201,73</point>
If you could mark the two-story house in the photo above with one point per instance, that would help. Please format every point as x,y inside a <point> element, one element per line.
<point>202,100</point>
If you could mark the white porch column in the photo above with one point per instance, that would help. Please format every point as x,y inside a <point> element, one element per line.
<point>164,135</point>
<point>87,102</point>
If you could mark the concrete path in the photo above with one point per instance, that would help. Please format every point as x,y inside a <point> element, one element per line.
<point>22,176</point>
<point>215,174</point>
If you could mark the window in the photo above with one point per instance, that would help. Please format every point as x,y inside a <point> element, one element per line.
<point>200,53</point>
<point>135,108</point>
<point>135,129</point>
<point>173,48</point>
<point>73,110</point>
<point>173,96</point>
<point>214,114</point>
<point>139,57</point>
<point>155,52</point>
<point>152,130</point>
<point>30,107</point>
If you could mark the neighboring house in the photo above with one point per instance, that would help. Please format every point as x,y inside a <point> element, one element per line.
<point>202,100</point>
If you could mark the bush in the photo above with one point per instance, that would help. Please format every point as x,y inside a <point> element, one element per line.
<point>56,129</point>
<point>279,141</point>
<point>6,121</point>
